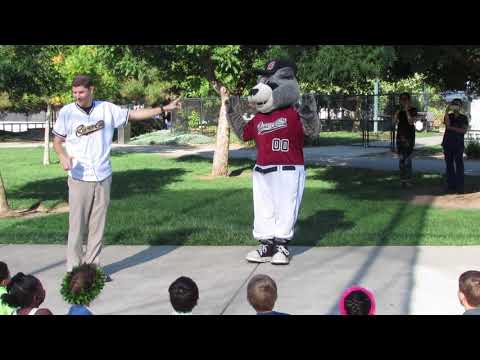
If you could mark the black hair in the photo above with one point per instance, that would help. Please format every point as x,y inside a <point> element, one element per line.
<point>457,100</point>
<point>4,272</point>
<point>21,290</point>
<point>405,94</point>
<point>357,303</point>
<point>183,294</point>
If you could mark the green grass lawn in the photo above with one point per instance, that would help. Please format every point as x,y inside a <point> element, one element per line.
<point>327,138</point>
<point>160,201</point>
<point>429,150</point>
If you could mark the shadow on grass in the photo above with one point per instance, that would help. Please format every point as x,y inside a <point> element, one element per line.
<point>124,184</point>
<point>378,186</point>
<point>315,228</point>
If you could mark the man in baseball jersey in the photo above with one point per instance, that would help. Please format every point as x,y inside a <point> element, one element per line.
<point>278,130</point>
<point>87,127</point>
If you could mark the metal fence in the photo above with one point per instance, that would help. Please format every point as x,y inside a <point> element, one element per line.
<point>19,122</point>
<point>363,115</point>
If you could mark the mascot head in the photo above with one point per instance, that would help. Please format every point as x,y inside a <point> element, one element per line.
<point>277,87</point>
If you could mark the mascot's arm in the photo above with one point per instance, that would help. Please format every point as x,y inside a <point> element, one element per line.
<point>309,116</point>
<point>234,117</point>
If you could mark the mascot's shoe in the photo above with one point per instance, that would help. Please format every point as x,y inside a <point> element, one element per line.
<point>263,254</point>
<point>281,256</point>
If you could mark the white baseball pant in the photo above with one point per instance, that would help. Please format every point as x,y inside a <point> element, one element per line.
<point>277,196</point>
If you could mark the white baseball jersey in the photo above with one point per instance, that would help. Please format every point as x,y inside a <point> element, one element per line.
<point>88,137</point>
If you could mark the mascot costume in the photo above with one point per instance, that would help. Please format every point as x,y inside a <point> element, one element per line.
<point>278,129</point>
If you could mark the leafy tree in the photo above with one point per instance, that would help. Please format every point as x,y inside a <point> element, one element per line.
<point>448,67</point>
<point>27,73</point>
<point>191,67</point>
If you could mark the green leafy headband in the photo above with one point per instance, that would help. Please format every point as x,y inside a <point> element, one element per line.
<point>85,297</point>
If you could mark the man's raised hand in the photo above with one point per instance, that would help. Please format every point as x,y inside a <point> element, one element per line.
<point>175,104</point>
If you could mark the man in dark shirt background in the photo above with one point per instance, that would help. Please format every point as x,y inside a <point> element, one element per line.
<point>405,119</point>
<point>456,125</point>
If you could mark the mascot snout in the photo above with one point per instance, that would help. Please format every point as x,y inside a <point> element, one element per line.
<point>261,96</point>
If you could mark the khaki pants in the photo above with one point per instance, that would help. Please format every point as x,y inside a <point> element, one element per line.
<point>88,203</point>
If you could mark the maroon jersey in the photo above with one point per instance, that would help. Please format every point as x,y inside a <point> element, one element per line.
<point>278,136</point>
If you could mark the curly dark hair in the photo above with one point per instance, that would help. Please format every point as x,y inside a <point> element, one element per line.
<point>4,272</point>
<point>82,278</point>
<point>357,303</point>
<point>183,294</point>
<point>21,290</point>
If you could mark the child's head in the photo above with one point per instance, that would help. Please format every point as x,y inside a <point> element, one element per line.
<point>357,301</point>
<point>183,294</point>
<point>4,274</point>
<point>469,289</point>
<point>24,291</point>
<point>83,278</point>
<point>262,293</point>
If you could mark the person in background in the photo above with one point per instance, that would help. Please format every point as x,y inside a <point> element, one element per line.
<point>456,125</point>
<point>405,119</point>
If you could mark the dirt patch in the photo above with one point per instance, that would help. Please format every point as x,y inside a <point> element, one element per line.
<point>469,200</point>
<point>37,210</point>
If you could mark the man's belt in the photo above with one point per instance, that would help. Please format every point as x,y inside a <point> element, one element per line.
<point>274,168</point>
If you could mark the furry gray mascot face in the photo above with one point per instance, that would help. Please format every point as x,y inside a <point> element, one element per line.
<point>277,87</point>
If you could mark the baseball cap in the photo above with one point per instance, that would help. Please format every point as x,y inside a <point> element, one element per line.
<point>273,65</point>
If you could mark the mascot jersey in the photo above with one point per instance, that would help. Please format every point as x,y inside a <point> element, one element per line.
<point>279,137</point>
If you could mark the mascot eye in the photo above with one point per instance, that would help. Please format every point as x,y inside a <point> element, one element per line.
<point>272,85</point>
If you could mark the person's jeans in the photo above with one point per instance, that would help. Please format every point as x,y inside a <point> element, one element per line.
<point>405,153</point>
<point>455,169</point>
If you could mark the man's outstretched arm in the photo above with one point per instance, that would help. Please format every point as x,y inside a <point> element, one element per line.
<point>145,114</point>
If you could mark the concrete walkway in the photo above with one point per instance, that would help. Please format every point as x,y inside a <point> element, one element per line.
<point>405,279</point>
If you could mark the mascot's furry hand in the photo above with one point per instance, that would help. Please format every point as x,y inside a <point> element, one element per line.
<point>309,116</point>
<point>234,116</point>
<point>233,104</point>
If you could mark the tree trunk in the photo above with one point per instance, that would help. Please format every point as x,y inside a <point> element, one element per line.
<point>220,158</point>
<point>46,150</point>
<point>4,208</point>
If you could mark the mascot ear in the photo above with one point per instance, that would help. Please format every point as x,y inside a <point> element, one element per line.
<point>286,73</point>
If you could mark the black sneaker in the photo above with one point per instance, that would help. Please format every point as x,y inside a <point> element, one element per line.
<point>263,254</point>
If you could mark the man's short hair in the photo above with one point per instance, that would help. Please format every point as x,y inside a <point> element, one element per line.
<point>82,80</point>
<point>262,293</point>
<point>469,285</point>
<point>405,94</point>
<point>183,294</point>
<point>4,272</point>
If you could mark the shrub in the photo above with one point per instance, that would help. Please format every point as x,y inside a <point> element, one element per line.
<point>194,120</point>
<point>472,150</point>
